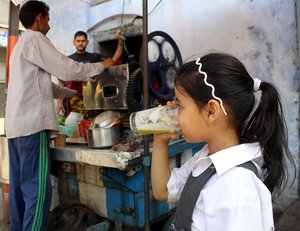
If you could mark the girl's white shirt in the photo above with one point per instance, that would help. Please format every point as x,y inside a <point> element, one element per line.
<point>234,199</point>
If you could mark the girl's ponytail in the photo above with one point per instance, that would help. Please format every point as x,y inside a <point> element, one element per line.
<point>267,126</point>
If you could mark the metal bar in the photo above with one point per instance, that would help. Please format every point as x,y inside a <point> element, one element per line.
<point>97,157</point>
<point>13,30</point>
<point>144,62</point>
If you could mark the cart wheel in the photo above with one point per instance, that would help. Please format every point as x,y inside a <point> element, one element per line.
<point>75,217</point>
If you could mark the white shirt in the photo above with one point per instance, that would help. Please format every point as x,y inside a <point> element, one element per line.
<point>234,199</point>
<point>30,105</point>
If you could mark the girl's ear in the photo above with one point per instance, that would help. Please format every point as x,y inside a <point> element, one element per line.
<point>213,110</point>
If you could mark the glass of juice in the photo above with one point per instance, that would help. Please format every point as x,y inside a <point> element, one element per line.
<point>161,119</point>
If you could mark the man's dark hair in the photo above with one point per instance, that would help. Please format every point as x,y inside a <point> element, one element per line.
<point>30,10</point>
<point>80,33</point>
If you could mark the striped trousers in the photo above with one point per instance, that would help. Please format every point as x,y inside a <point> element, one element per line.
<point>29,182</point>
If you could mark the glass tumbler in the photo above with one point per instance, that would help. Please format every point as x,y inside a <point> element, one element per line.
<point>161,119</point>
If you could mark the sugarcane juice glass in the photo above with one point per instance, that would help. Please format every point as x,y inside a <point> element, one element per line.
<point>161,119</point>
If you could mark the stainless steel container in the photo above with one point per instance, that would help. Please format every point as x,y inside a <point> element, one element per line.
<point>108,90</point>
<point>103,137</point>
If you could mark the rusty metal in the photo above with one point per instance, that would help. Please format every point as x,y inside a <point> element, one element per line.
<point>13,30</point>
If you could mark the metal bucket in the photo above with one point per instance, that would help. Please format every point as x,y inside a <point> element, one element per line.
<point>103,137</point>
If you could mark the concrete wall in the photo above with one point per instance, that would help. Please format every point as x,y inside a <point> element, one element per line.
<point>262,34</point>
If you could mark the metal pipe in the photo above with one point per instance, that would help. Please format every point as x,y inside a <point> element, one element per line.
<point>144,62</point>
<point>13,30</point>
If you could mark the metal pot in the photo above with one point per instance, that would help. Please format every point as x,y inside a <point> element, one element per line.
<point>106,119</point>
<point>103,137</point>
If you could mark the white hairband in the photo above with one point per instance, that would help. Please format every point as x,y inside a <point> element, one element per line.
<point>210,85</point>
<point>256,84</point>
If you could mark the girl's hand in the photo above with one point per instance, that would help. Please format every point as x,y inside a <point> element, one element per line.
<point>165,137</point>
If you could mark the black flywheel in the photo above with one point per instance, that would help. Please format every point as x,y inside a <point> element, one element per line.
<point>164,61</point>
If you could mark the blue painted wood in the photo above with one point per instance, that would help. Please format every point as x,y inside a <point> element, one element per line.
<point>125,198</point>
<point>125,195</point>
<point>181,146</point>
